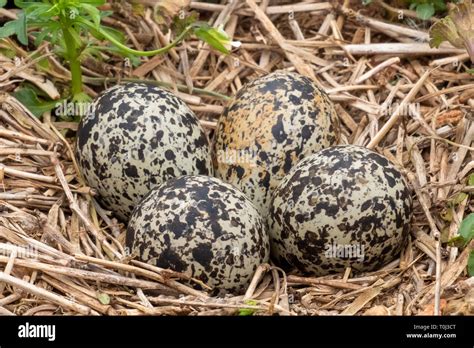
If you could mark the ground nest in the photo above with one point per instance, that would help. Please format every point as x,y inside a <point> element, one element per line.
<point>61,253</point>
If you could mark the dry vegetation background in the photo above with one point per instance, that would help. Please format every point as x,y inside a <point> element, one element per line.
<point>62,254</point>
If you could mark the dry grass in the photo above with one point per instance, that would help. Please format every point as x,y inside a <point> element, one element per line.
<point>60,253</point>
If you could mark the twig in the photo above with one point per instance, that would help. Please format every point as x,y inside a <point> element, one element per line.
<point>377,69</point>
<point>95,276</point>
<point>139,271</point>
<point>26,175</point>
<point>329,282</point>
<point>398,49</point>
<point>75,208</point>
<point>299,64</point>
<point>259,273</point>
<point>396,114</point>
<point>33,289</point>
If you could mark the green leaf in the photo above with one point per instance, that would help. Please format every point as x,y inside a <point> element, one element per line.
<point>95,3</point>
<point>470,181</point>
<point>248,311</point>
<point>134,60</point>
<point>81,98</point>
<point>42,64</point>
<point>212,36</point>
<point>447,214</point>
<point>18,27</point>
<point>459,198</point>
<point>103,298</point>
<point>8,29</point>
<point>75,36</point>
<point>470,264</point>
<point>440,5</point>
<point>43,35</point>
<point>104,14</point>
<point>8,52</point>
<point>25,4</point>
<point>425,11</point>
<point>29,98</point>
<point>116,34</point>
<point>466,230</point>
<point>40,10</point>
<point>445,30</point>
<point>93,12</point>
<point>91,51</point>
<point>3,3</point>
<point>458,242</point>
<point>21,33</point>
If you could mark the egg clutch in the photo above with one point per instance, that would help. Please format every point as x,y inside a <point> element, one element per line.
<point>296,197</point>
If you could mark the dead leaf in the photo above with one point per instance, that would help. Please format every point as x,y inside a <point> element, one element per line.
<point>461,306</point>
<point>362,300</point>
<point>449,117</point>
<point>165,10</point>
<point>377,310</point>
<point>429,309</point>
<point>103,298</point>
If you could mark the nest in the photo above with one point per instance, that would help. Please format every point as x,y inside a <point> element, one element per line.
<point>61,253</point>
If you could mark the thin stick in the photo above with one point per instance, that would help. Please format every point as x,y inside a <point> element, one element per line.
<point>314,281</point>
<point>299,64</point>
<point>259,273</point>
<point>20,136</point>
<point>398,49</point>
<point>158,300</point>
<point>76,209</point>
<point>143,272</point>
<point>37,291</point>
<point>396,114</point>
<point>377,69</point>
<point>96,276</point>
<point>26,175</point>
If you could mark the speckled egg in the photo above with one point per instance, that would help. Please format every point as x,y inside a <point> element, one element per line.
<point>202,227</point>
<point>345,206</point>
<point>272,123</point>
<point>134,137</point>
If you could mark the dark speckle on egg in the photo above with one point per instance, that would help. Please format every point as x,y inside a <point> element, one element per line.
<point>135,137</point>
<point>345,206</point>
<point>202,227</point>
<point>272,123</point>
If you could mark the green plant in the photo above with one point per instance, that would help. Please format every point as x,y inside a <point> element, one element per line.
<point>75,30</point>
<point>248,311</point>
<point>457,28</point>
<point>425,9</point>
<point>466,234</point>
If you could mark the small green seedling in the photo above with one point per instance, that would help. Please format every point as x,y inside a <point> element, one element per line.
<point>425,9</point>
<point>71,25</point>
<point>248,311</point>
<point>466,231</point>
<point>466,234</point>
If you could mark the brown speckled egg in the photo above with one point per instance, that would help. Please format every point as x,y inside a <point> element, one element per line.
<point>137,136</point>
<point>202,227</point>
<point>345,206</point>
<point>271,124</point>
